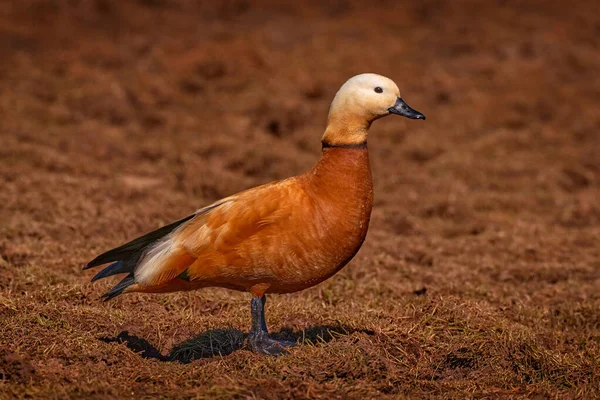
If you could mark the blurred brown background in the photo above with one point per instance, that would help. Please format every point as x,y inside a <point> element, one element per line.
<point>481,272</point>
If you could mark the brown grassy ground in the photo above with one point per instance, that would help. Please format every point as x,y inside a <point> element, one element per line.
<point>480,276</point>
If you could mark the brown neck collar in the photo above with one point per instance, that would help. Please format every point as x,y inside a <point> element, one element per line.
<point>327,145</point>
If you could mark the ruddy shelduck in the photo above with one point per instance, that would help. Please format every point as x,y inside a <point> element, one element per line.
<point>280,237</point>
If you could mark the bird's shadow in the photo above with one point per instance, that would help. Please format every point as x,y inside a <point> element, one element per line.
<point>221,342</point>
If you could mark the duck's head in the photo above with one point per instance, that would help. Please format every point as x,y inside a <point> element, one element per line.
<point>360,101</point>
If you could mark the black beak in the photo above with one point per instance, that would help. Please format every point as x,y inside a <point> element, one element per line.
<point>401,108</point>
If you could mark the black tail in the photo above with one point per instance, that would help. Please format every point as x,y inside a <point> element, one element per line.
<point>126,257</point>
<point>119,287</point>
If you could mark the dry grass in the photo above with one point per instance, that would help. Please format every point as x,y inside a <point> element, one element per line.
<point>480,276</point>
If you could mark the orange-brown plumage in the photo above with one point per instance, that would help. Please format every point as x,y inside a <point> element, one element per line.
<point>280,237</point>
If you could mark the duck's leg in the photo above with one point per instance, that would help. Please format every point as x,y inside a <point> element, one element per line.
<point>258,337</point>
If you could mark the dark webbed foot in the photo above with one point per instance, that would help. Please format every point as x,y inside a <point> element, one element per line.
<point>258,337</point>
<point>263,344</point>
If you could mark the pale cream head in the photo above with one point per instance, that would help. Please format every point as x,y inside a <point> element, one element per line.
<point>360,95</point>
<point>361,100</point>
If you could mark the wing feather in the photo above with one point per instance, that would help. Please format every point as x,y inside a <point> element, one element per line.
<point>168,257</point>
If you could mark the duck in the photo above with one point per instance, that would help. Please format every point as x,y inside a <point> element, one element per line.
<point>280,237</point>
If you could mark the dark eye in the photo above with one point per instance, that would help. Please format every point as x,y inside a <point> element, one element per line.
<point>378,90</point>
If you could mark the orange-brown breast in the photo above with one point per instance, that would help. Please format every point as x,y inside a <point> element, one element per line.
<point>340,192</point>
<point>284,236</point>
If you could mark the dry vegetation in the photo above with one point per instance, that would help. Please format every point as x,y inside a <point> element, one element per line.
<point>480,276</point>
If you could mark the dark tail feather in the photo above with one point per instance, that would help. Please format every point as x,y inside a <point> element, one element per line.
<point>127,256</point>
<point>136,246</point>
<point>118,267</point>
<point>119,287</point>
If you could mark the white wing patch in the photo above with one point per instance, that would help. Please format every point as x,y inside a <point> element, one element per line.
<point>155,261</point>
<point>150,265</point>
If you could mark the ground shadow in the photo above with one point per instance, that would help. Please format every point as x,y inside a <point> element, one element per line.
<point>137,345</point>
<point>216,342</point>
<point>221,342</point>
<point>318,334</point>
